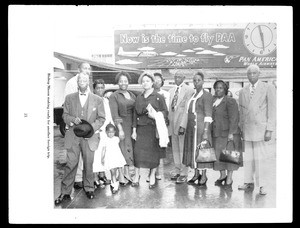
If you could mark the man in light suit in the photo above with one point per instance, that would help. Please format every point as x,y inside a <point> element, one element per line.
<point>257,105</point>
<point>178,97</point>
<point>87,106</point>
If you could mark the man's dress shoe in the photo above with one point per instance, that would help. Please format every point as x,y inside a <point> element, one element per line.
<point>246,186</point>
<point>90,194</point>
<point>262,191</point>
<point>62,198</point>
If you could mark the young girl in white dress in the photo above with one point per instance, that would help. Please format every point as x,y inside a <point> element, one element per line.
<point>112,157</point>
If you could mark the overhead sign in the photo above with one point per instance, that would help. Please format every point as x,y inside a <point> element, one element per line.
<point>197,48</point>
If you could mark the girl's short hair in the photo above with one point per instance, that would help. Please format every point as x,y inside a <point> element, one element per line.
<point>110,125</point>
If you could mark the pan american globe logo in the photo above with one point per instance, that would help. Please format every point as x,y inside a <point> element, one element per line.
<point>228,58</point>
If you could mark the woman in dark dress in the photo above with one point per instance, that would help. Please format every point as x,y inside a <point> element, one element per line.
<point>146,149</point>
<point>224,129</point>
<point>196,125</point>
<point>158,84</point>
<point>122,104</point>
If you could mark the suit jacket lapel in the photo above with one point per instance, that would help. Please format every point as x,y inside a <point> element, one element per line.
<point>172,93</point>
<point>247,94</point>
<point>90,106</point>
<point>199,100</point>
<point>257,93</point>
<point>76,102</point>
<point>182,93</point>
<point>214,107</point>
<point>180,96</point>
<point>218,106</point>
<point>222,101</point>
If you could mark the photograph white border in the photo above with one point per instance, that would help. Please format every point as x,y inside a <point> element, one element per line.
<point>31,43</point>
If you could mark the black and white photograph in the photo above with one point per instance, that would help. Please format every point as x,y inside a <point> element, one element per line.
<point>134,114</point>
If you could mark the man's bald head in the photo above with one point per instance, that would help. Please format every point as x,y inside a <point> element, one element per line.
<point>253,67</point>
<point>85,68</point>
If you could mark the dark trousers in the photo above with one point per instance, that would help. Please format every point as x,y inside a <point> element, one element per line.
<point>70,169</point>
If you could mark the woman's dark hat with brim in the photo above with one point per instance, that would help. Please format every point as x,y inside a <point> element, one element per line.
<point>84,129</point>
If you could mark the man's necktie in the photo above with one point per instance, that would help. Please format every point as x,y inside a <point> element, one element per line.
<point>83,94</point>
<point>252,91</point>
<point>174,101</point>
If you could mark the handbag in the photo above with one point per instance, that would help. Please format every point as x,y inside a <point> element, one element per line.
<point>231,156</point>
<point>205,154</point>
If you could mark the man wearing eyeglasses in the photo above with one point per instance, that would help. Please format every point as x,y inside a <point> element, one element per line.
<point>178,97</point>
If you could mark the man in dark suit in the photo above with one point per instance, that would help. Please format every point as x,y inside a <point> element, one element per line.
<point>87,106</point>
<point>72,87</point>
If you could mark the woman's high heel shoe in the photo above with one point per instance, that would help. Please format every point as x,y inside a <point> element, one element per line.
<point>114,187</point>
<point>96,184</point>
<point>136,184</point>
<point>128,178</point>
<point>151,186</point>
<point>228,186</point>
<point>123,184</point>
<point>147,179</point>
<point>195,177</point>
<point>104,180</point>
<point>202,184</point>
<point>220,181</point>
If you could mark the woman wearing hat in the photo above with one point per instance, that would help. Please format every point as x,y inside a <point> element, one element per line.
<point>224,129</point>
<point>121,104</point>
<point>146,149</point>
<point>158,83</point>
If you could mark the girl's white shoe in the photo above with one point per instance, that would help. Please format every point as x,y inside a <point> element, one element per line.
<point>115,187</point>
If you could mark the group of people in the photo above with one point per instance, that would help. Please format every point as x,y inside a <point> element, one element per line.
<point>130,130</point>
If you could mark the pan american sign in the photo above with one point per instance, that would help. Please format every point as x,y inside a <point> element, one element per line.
<point>197,48</point>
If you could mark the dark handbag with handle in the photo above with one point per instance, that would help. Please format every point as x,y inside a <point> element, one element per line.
<point>205,154</point>
<point>231,156</point>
